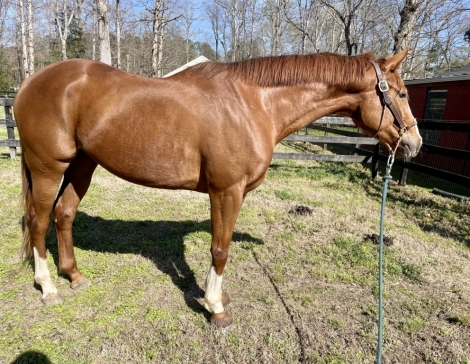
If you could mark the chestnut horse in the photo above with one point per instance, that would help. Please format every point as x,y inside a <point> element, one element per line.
<point>211,128</point>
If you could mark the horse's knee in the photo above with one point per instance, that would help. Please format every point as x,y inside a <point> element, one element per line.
<point>219,254</point>
<point>63,216</point>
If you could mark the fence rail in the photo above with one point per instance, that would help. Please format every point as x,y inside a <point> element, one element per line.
<point>419,164</point>
<point>343,137</point>
<point>351,140</point>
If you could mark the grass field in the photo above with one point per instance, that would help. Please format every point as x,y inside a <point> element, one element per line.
<point>303,287</point>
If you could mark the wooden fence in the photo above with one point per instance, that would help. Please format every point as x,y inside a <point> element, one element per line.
<point>349,139</point>
<point>11,142</point>
<point>445,156</point>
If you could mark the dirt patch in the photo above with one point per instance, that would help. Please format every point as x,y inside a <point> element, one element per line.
<point>300,210</point>
<point>374,238</point>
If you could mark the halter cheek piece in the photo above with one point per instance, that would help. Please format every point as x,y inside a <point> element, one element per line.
<point>387,101</point>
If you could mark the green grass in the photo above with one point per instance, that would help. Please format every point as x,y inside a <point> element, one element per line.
<point>303,287</point>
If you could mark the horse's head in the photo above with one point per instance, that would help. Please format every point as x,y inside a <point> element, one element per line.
<point>384,111</point>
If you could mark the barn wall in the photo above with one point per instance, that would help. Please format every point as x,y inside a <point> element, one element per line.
<point>457,109</point>
<point>458,99</point>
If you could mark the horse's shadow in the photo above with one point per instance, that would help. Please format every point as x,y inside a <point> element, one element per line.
<point>162,242</point>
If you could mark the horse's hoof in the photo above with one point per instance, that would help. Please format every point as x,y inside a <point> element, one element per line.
<point>225,299</point>
<point>80,286</point>
<point>221,320</point>
<point>52,299</point>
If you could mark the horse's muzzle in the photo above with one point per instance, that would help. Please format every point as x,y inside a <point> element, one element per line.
<point>410,145</point>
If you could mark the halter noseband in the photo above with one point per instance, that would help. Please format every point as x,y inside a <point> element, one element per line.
<point>387,101</point>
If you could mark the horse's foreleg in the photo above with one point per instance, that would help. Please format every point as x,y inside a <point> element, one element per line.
<point>225,206</point>
<point>76,181</point>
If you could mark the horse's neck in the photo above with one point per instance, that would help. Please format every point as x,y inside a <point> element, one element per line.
<point>294,107</point>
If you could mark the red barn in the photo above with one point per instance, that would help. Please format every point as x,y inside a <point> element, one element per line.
<point>445,98</point>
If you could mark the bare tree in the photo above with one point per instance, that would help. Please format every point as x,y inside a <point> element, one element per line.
<point>118,34</point>
<point>63,17</point>
<point>103,31</point>
<point>188,19</point>
<point>158,28</point>
<point>304,17</point>
<point>93,39</point>
<point>4,7</point>
<point>346,12</point>
<point>236,15</point>
<point>275,20</point>
<point>218,28</point>
<point>250,28</point>
<point>408,20</point>
<point>435,41</point>
<point>160,20</point>
<point>25,19</point>
<point>30,38</point>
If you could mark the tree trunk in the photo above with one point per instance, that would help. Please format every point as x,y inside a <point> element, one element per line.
<point>276,21</point>
<point>160,19</point>
<point>24,48</point>
<point>160,44</point>
<point>118,35</point>
<point>103,31</point>
<point>346,16</point>
<point>93,40</point>
<point>30,38</point>
<point>408,18</point>
<point>156,27</point>
<point>63,28</point>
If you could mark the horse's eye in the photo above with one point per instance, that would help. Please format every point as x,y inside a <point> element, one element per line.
<point>402,95</point>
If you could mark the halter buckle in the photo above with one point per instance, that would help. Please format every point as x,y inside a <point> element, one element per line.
<point>383,86</point>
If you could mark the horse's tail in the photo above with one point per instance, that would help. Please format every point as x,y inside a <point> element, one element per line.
<point>25,203</point>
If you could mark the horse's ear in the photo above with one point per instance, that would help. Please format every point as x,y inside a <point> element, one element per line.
<point>395,60</point>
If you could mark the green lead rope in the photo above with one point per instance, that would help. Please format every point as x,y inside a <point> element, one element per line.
<point>385,179</point>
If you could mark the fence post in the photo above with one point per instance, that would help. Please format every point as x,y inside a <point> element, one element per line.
<point>10,129</point>
<point>325,146</point>
<point>375,161</point>
<point>404,172</point>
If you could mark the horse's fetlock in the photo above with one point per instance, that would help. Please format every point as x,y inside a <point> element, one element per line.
<point>69,267</point>
<point>42,278</point>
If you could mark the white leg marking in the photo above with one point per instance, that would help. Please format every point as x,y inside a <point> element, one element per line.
<point>42,275</point>
<point>213,296</point>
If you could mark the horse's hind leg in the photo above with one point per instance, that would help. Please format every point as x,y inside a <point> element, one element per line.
<point>45,185</point>
<point>76,181</point>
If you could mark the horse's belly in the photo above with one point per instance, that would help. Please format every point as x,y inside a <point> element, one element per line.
<point>171,170</point>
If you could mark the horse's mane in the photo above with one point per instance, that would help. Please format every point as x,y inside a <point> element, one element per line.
<point>332,69</point>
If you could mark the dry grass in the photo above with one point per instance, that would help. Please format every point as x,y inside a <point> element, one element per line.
<point>303,287</point>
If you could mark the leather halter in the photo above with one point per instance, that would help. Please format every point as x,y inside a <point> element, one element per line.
<point>387,101</point>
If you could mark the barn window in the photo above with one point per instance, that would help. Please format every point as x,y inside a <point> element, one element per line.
<point>435,107</point>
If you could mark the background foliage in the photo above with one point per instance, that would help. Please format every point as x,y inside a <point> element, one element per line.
<point>230,30</point>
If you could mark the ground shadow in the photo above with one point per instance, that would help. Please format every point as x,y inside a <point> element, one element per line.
<point>162,242</point>
<point>7,156</point>
<point>32,356</point>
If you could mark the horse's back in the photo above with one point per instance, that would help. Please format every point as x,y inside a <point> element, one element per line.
<point>169,133</point>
